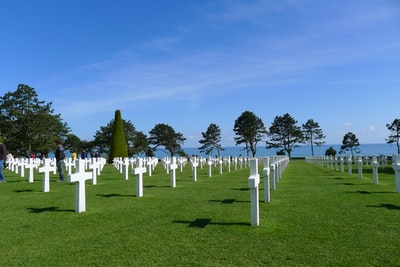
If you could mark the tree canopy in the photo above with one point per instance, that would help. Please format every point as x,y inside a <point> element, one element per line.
<point>164,135</point>
<point>394,136</point>
<point>118,146</point>
<point>136,142</point>
<point>313,134</point>
<point>249,129</point>
<point>211,140</point>
<point>350,142</point>
<point>284,133</point>
<point>28,124</point>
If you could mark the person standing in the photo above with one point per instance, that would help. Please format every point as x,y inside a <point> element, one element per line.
<point>60,156</point>
<point>3,156</point>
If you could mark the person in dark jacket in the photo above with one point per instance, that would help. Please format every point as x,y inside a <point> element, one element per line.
<point>3,157</point>
<point>59,159</point>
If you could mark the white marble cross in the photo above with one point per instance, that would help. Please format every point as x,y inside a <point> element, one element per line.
<point>125,164</point>
<point>360,163</point>
<point>31,165</point>
<point>396,168</point>
<point>46,169</point>
<point>94,166</point>
<point>209,162</point>
<point>349,165</point>
<point>173,166</point>
<point>138,171</point>
<point>375,165</point>
<point>68,165</point>
<point>80,177</point>
<point>195,163</point>
<point>253,182</point>
<point>267,195</point>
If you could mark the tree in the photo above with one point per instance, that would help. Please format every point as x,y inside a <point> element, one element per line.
<point>313,134</point>
<point>133,139</point>
<point>118,145</point>
<point>350,142</point>
<point>394,136</point>
<point>141,144</point>
<point>330,152</point>
<point>249,130</point>
<point>164,135</point>
<point>284,133</point>
<point>29,124</point>
<point>211,140</point>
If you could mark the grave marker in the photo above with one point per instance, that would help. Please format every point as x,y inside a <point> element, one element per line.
<point>173,166</point>
<point>46,169</point>
<point>396,168</point>
<point>267,197</point>
<point>375,165</point>
<point>138,171</point>
<point>253,182</point>
<point>80,177</point>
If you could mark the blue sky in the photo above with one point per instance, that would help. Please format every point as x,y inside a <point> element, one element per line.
<point>192,63</point>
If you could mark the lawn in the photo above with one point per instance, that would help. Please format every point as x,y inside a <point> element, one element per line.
<point>317,217</point>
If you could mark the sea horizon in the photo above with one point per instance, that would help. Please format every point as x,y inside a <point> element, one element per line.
<point>300,151</point>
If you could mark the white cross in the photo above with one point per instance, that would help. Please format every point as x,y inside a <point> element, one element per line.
<point>138,171</point>
<point>125,164</point>
<point>267,197</point>
<point>396,168</point>
<point>80,177</point>
<point>253,182</point>
<point>46,169</point>
<point>95,166</point>
<point>209,162</point>
<point>173,167</point>
<point>69,164</point>
<point>195,163</point>
<point>31,165</point>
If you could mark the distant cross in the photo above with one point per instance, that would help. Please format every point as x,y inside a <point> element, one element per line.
<point>31,165</point>
<point>209,162</point>
<point>267,196</point>
<point>68,165</point>
<point>46,169</point>
<point>95,166</point>
<point>173,168</point>
<point>125,165</point>
<point>396,168</point>
<point>375,165</point>
<point>138,171</point>
<point>80,177</point>
<point>195,163</point>
<point>253,182</point>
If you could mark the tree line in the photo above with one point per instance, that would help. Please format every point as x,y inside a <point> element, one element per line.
<point>29,125</point>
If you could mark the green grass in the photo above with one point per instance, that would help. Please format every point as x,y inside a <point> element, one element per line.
<point>317,217</point>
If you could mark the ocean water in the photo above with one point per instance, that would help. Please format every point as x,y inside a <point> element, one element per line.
<point>301,151</point>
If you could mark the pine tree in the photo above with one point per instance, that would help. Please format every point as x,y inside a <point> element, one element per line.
<point>118,145</point>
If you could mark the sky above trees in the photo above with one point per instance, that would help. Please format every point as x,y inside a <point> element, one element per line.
<point>192,63</point>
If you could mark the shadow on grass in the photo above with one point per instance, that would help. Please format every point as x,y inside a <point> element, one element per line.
<point>362,192</point>
<point>23,190</point>
<point>228,201</point>
<point>113,195</point>
<point>383,205</point>
<point>354,184</point>
<point>241,189</point>
<point>47,209</point>
<point>203,222</point>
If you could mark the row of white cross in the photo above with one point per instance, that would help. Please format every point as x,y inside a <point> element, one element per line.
<point>272,171</point>
<point>375,161</point>
<point>46,166</point>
